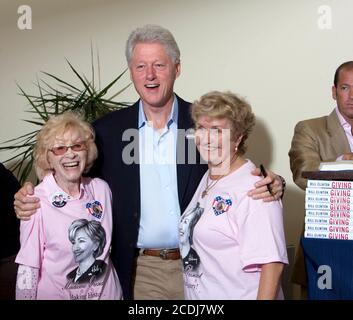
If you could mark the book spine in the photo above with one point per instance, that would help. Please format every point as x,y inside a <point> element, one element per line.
<point>330,184</point>
<point>327,206</point>
<point>329,228</point>
<point>328,213</point>
<point>328,198</point>
<point>328,235</point>
<point>329,221</point>
<point>329,192</point>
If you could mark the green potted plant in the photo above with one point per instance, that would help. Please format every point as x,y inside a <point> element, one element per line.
<point>88,100</point>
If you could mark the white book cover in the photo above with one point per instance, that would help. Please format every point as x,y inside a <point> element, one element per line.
<point>328,198</point>
<point>330,184</point>
<point>340,165</point>
<point>328,235</point>
<point>329,192</point>
<point>329,221</point>
<point>327,206</point>
<point>329,214</point>
<point>329,228</point>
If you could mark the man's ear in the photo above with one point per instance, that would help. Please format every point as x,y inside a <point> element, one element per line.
<point>177,69</point>
<point>334,92</point>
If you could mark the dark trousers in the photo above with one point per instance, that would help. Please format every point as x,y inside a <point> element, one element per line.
<point>8,275</point>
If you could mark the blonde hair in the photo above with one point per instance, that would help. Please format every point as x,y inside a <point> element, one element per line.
<point>226,105</point>
<point>57,126</point>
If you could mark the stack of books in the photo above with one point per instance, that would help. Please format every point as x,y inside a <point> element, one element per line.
<point>329,209</point>
<point>341,165</point>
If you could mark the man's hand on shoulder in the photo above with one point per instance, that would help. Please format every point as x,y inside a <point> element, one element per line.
<point>275,183</point>
<point>24,205</point>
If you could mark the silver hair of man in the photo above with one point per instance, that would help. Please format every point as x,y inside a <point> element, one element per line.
<point>153,34</point>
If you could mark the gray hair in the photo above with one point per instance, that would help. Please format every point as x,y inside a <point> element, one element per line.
<point>150,34</point>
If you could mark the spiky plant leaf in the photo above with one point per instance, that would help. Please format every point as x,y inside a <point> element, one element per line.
<point>53,99</point>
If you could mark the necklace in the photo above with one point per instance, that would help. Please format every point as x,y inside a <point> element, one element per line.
<point>209,186</point>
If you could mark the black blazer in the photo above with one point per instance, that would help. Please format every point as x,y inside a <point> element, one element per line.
<point>124,181</point>
<point>10,225</point>
<point>94,272</point>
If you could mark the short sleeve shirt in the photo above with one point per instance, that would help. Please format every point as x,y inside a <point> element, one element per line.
<point>227,236</point>
<point>46,245</point>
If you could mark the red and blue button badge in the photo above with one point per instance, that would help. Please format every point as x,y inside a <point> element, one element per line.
<point>221,205</point>
<point>95,209</point>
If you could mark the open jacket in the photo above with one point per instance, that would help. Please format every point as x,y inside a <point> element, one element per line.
<point>124,181</point>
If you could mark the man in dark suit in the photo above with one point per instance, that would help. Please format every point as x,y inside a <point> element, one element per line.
<point>124,180</point>
<point>151,169</point>
<point>9,235</point>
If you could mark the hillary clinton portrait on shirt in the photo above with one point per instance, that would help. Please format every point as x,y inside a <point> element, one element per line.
<point>88,240</point>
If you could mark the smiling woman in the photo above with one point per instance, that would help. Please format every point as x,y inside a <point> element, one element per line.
<point>233,247</point>
<point>65,147</point>
<point>77,222</point>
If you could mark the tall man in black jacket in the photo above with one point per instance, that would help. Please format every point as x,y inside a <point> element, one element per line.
<point>9,235</point>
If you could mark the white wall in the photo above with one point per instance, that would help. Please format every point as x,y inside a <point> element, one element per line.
<point>272,52</point>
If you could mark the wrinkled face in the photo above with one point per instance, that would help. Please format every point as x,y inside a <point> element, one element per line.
<point>153,73</point>
<point>68,166</point>
<point>213,140</point>
<point>83,246</point>
<point>343,94</point>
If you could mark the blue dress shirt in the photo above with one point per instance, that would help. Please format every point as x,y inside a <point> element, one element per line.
<point>160,210</point>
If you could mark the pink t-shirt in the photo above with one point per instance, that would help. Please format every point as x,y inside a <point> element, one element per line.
<point>227,237</point>
<point>57,242</point>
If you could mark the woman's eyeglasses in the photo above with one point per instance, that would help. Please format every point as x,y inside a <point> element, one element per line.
<point>60,150</point>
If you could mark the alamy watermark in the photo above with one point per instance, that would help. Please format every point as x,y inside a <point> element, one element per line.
<point>325,280</point>
<point>324,21</point>
<point>24,21</point>
<point>214,145</point>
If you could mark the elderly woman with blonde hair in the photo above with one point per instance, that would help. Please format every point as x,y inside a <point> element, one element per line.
<point>65,149</point>
<point>239,241</point>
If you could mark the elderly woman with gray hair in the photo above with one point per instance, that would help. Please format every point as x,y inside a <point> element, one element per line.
<point>73,224</point>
